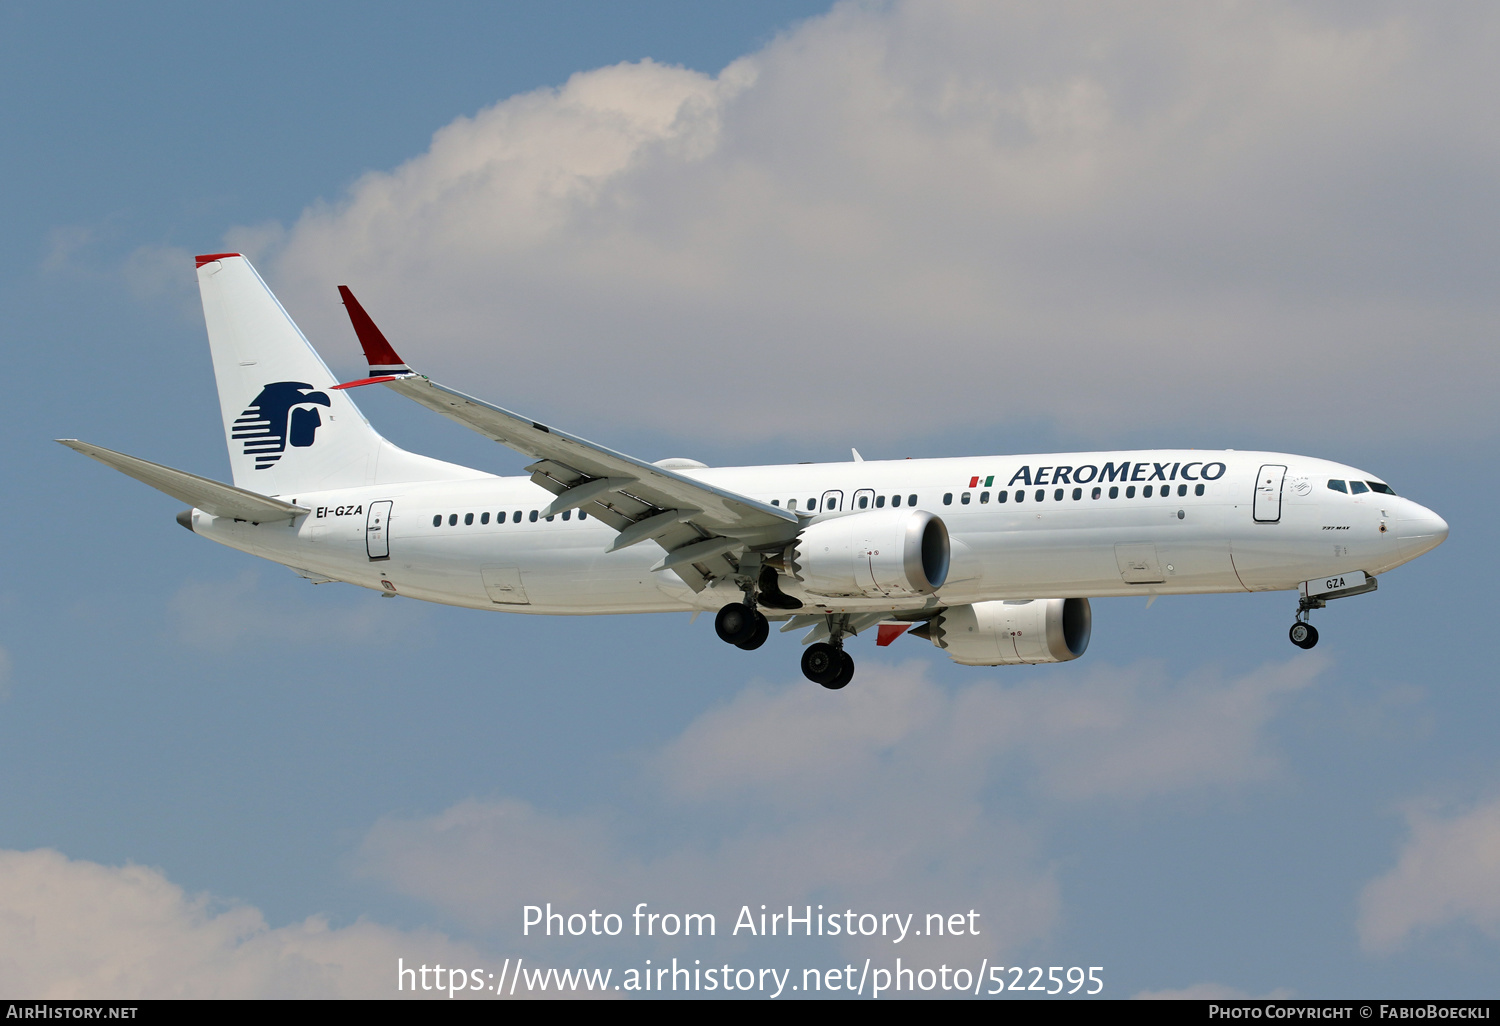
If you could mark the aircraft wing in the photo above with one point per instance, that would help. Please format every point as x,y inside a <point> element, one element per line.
<point>214,497</point>
<point>701,527</point>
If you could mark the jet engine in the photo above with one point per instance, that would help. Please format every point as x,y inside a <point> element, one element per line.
<point>883,553</point>
<point>1010,632</point>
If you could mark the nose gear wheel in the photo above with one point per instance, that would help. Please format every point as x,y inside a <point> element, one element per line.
<point>1303,634</point>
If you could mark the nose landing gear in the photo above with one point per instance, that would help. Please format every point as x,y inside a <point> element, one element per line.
<point>1302,633</point>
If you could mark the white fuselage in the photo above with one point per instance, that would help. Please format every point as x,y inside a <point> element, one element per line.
<point>445,542</point>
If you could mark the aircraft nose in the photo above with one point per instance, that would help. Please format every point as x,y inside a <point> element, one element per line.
<point>1420,530</point>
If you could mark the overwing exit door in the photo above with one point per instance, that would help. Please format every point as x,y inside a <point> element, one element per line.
<point>377,530</point>
<point>1268,493</point>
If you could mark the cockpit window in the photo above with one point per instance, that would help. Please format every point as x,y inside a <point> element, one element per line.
<point>1358,487</point>
<point>1338,486</point>
<point>1383,489</point>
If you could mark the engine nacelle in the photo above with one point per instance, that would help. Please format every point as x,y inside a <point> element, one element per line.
<point>897,553</point>
<point>1010,632</point>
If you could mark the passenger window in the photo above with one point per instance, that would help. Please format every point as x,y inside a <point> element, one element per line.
<point>567,514</point>
<point>552,518</point>
<point>791,504</point>
<point>1198,490</point>
<point>468,520</point>
<point>452,519</point>
<point>1041,493</point>
<point>1383,489</point>
<point>864,500</point>
<point>484,518</point>
<point>1181,490</point>
<point>1338,486</point>
<point>964,498</point>
<point>1097,492</point>
<point>1057,495</point>
<point>582,515</point>
<point>1146,492</point>
<point>1020,495</point>
<point>776,502</point>
<point>515,517</point>
<point>1114,491</point>
<point>911,500</point>
<point>1077,494</point>
<point>812,505</point>
<point>1001,496</point>
<point>880,502</point>
<point>437,521</point>
<point>947,498</point>
<point>532,518</point>
<point>895,500</point>
<point>1358,487</point>
<point>1130,492</point>
<point>984,498</point>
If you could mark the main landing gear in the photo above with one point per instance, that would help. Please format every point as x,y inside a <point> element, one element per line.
<point>824,662</point>
<point>828,665</point>
<point>742,625</point>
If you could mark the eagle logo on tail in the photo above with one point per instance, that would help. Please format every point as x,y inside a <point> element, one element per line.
<point>277,417</point>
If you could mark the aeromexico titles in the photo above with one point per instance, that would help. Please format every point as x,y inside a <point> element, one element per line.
<point>993,559</point>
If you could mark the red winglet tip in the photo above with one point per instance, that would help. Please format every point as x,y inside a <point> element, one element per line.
<point>377,350</point>
<point>208,258</point>
<point>364,381</point>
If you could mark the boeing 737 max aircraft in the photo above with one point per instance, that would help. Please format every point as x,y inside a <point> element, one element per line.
<point>995,557</point>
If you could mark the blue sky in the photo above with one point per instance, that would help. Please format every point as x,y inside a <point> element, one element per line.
<point>918,229</point>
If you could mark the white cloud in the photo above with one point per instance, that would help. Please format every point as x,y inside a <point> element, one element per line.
<point>1447,872</point>
<point>72,929</point>
<point>895,793</point>
<point>1117,214</point>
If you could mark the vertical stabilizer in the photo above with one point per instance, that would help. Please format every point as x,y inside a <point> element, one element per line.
<point>288,430</point>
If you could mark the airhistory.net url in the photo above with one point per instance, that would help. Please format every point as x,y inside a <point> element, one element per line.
<point>849,980</point>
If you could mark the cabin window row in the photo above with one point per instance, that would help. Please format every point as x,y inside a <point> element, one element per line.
<point>1058,494</point>
<point>862,502</point>
<point>515,518</point>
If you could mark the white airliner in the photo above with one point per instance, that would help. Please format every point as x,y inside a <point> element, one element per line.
<point>995,557</point>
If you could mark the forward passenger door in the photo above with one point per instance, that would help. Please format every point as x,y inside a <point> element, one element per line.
<point>1268,493</point>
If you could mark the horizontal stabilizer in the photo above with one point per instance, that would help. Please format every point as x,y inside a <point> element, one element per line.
<point>221,500</point>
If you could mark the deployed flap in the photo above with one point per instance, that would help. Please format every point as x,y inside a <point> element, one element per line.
<point>221,500</point>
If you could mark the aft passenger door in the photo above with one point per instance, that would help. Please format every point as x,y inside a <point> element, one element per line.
<point>864,499</point>
<point>832,500</point>
<point>1268,493</point>
<point>377,530</point>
